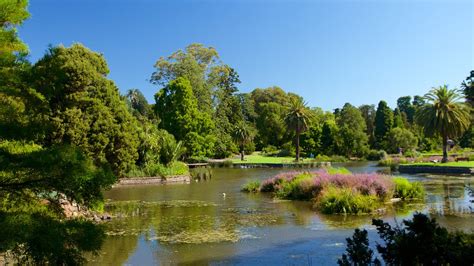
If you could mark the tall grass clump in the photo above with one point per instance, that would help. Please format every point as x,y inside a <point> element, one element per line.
<point>252,186</point>
<point>346,201</point>
<point>408,190</point>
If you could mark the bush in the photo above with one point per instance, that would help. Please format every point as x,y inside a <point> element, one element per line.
<point>375,155</point>
<point>346,201</point>
<point>287,150</point>
<point>270,150</point>
<point>154,170</point>
<point>252,186</point>
<point>408,190</point>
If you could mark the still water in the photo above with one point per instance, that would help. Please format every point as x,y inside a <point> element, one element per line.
<point>212,222</point>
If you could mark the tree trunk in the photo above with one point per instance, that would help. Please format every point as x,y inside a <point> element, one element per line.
<point>242,152</point>
<point>445,149</point>
<point>297,145</point>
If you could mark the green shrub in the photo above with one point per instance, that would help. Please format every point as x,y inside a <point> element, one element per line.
<point>252,186</point>
<point>338,170</point>
<point>375,155</point>
<point>345,201</point>
<point>154,170</point>
<point>408,190</point>
<point>270,150</point>
<point>287,150</point>
<point>19,147</point>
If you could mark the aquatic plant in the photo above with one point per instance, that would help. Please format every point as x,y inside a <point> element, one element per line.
<point>345,200</point>
<point>252,186</point>
<point>408,190</point>
<point>337,190</point>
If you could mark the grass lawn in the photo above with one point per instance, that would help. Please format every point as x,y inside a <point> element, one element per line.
<point>469,164</point>
<point>257,158</point>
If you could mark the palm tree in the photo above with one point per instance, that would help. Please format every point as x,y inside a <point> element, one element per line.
<point>444,114</point>
<point>242,134</point>
<point>297,118</point>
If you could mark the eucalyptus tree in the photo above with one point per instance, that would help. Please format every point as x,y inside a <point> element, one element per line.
<point>444,114</point>
<point>297,118</point>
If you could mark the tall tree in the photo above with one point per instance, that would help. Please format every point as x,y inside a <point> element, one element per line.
<point>368,113</point>
<point>85,107</point>
<point>444,114</point>
<point>352,129</point>
<point>177,108</point>
<point>404,105</point>
<point>383,123</point>
<point>297,118</point>
<point>195,64</point>
<point>468,88</point>
<point>138,103</point>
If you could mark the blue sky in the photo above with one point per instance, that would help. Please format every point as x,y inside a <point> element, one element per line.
<point>330,52</point>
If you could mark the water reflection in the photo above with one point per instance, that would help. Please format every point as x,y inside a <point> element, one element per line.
<point>195,224</point>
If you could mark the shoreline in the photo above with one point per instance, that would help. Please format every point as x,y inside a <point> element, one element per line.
<point>153,180</point>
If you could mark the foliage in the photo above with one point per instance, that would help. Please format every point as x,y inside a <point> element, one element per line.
<point>421,241</point>
<point>252,186</point>
<point>401,138</point>
<point>195,64</point>
<point>346,201</point>
<point>374,155</point>
<point>270,106</point>
<point>138,103</point>
<point>368,113</point>
<point>445,115</point>
<point>297,118</point>
<point>12,14</point>
<point>408,190</point>
<point>242,135</point>
<point>352,128</point>
<point>383,123</point>
<point>177,108</point>
<point>154,170</point>
<point>84,107</point>
<point>40,238</point>
<point>358,250</point>
<point>333,190</point>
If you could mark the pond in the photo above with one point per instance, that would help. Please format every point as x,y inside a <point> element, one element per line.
<point>212,222</point>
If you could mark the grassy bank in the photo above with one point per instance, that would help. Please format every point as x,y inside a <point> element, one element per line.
<point>159,170</point>
<point>337,190</point>
<point>469,164</point>
<point>260,158</point>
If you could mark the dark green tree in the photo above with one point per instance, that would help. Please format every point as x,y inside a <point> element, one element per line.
<point>368,113</point>
<point>329,138</point>
<point>404,105</point>
<point>177,108</point>
<point>383,123</point>
<point>352,130</point>
<point>468,88</point>
<point>138,103</point>
<point>84,107</point>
